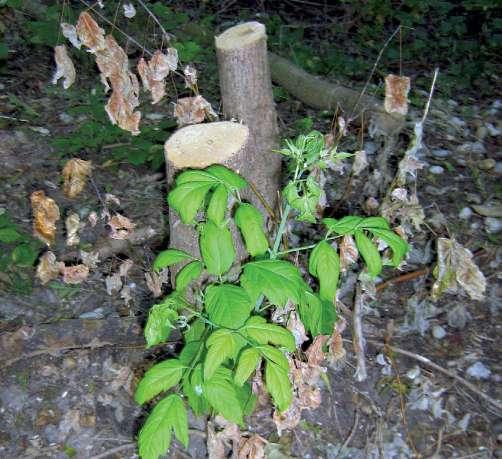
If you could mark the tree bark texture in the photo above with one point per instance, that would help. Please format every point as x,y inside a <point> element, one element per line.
<point>246,94</point>
<point>197,147</point>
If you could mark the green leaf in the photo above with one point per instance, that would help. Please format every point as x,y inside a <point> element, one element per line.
<point>262,332</point>
<point>8,235</point>
<point>187,274</point>
<point>160,323</point>
<point>192,388</point>
<point>221,346</point>
<point>189,352</point>
<point>24,255</point>
<point>221,394</point>
<point>196,330</point>
<point>346,225</point>
<point>196,176</point>
<point>324,263</point>
<point>217,248</point>
<point>227,305</point>
<point>395,242</point>
<point>154,438</point>
<point>170,257</point>
<point>307,203</point>
<point>278,280</point>
<point>229,178</point>
<point>218,205</point>
<point>374,222</point>
<point>187,199</point>
<point>246,398</point>
<point>276,377</point>
<point>248,362</point>
<point>250,222</point>
<point>159,378</point>
<point>369,253</point>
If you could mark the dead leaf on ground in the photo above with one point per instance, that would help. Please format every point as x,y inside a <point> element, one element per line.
<point>64,67</point>
<point>75,274</point>
<point>75,173</point>
<point>129,10</point>
<point>93,218</point>
<point>89,259</point>
<point>252,447</point>
<point>193,110</point>
<point>155,280</point>
<point>121,227</point>
<point>111,198</point>
<point>315,354</point>
<point>287,420</point>
<point>48,267</point>
<point>113,283</point>
<point>455,268</point>
<point>335,344</point>
<point>72,223</point>
<point>45,216</point>
<point>125,267</point>
<point>360,162</point>
<point>396,94</point>
<point>296,327</point>
<point>219,442</point>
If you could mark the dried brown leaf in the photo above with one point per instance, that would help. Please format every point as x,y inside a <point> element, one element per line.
<point>252,447</point>
<point>348,252</point>
<point>64,67</point>
<point>125,267</point>
<point>75,173</point>
<point>72,223</point>
<point>296,327</point>
<point>89,259</point>
<point>287,420</point>
<point>154,281</point>
<point>193,110</point>
<point>75,274</point>
<point>360,162</point>
<point>129,10</point>
<point>113,283</point>
<point>335,345</point>
<point>93,218</point>
<point>48,267</point>
<point>190,74</point>
<point>315,354</point>
<point>90,34</point>
<point>121,227</point>
<point>70,32</point>
<point>218,442</point>
<point>396,94</point>
<point>45,216</point>
<point>455,268</point>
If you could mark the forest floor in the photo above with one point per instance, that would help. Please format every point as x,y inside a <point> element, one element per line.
<point>71,355</point>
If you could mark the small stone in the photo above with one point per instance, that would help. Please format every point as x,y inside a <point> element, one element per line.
<point>487,164</point>
<point>475,226</point>
<point>493,225</point>
<point>66,118</point>
<point>471,148</point>
<point>481,132</point>
<point>438,332</point>
<point>473,198</point>
<point>87,420</point>
<point>498,167</point>
<point>458,317</point>
<point>69,363</point>
<point>465,213</point>
<point>436,170</point>
<point>461,162</point>
<point>479,371</point>
<point>46,416</point>
<point>493,130</point>
<point>441,153</point>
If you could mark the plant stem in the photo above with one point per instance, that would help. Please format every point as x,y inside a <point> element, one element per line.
<point>275,248</point>
<point>305,247</point>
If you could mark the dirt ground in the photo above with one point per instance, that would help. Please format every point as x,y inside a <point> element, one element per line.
<point>71,355</point>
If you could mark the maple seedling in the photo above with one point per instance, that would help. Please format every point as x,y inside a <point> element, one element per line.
<point>226,326</point>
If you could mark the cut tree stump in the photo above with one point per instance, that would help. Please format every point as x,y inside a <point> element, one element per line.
<point>196,147</point>
<point>246,94</point>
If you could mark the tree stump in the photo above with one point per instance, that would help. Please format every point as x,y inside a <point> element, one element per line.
<point>197,147</point>
<point>246,94</point>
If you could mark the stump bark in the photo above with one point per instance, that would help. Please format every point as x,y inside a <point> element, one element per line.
<point>246,94</point>
<point>197,147</point>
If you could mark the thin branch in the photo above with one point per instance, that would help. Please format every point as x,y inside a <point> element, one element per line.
<point>263,201</point>
<point>357,332</point>
<point>428,104</point>
<point>166,35</point>
<point>495,403</point>
<point>403,278</point>
<point>131,39</point>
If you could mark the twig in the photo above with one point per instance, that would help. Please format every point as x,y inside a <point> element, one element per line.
<point>117,449</point>
<point>167,36</point>
<point>375,65</point>
<point>263,201</point>
<point>351,433</point>
<point>496,403</point>
<point>131,39</point>
<point>357,331</point>
<point>428,104</point>
<point>403,278</point>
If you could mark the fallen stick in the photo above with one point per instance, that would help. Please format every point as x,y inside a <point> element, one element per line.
<point>496,403</point>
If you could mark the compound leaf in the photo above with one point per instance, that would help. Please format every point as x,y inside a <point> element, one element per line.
<point>157,379</point>
<point>187,274</point>
<point>217,248</point>
<point>218,205</point>
<point>396,243</point>
<point>369,253</point>
<point>170,257</point>
<point>155,437</point>
<point>262,332</point>
<point>248,361</point>
<point>229,178</point>
<point>221,394</point>
<point>160,323</point>
<point>227,305</point>
<point>221,346</point>
<point>187,199</point>
<point>250,222</point>
<point>324,263</point>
